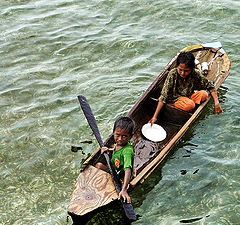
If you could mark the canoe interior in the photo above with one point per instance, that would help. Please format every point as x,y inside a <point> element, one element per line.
<point>170,118</point>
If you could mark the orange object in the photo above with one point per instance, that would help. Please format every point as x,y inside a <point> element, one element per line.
<point>188,104</point>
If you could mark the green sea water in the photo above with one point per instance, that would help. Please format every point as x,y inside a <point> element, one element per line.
<point>110,52</point>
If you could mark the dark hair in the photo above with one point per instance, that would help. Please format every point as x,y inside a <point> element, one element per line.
<point>186,58</point>
<point>124,123</point>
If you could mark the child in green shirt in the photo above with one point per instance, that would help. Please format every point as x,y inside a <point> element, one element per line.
<point>122,155</point>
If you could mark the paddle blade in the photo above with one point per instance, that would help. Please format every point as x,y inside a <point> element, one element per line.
<point>129,211</point>
<point>90,118</point>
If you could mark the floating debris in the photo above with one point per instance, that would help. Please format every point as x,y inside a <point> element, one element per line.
<point>75,148</point>
<point>195,171</point>
<point>191,220</point>
<point>86,142</point>
<point>183,172</point>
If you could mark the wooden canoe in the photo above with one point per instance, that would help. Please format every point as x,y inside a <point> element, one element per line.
<point>95,188</point>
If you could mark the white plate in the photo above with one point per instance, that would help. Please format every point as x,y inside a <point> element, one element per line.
<point>155,133</point>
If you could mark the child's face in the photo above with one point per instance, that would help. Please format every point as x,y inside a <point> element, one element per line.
<point>121,136</point>
<point>183,70</point>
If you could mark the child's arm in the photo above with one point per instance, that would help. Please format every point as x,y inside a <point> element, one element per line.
<point>103,149</point>
<point>123,192</point>
<point>217,106</point>
<point>158,109</point>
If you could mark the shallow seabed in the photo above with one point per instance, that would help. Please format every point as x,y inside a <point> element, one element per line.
<point>110,52</point>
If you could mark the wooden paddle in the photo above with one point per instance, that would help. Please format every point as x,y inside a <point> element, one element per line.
<point>129,211</point>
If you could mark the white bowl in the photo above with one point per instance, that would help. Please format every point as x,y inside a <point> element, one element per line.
<point>154,133</point>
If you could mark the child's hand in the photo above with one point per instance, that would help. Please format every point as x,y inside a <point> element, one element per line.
<point>218,108</point>
<point>104,149</point>
<point>125,196</point>
<point>152,121</point>
<point>134,173</point>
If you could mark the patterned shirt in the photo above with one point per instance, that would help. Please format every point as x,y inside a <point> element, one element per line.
<point>176,86</point>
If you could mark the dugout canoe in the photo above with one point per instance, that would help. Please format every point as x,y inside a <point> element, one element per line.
<point>95,188</point>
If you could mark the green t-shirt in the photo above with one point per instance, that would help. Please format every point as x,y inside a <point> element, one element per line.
<point>122,160</point>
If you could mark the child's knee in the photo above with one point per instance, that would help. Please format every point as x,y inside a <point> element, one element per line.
<point>199,96</point>
<point>99,165</point>
<point>189,106</point>
<point>204,95</point>
<point>185,104</point>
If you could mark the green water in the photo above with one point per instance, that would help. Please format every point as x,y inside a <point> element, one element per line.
<point>110,52</point>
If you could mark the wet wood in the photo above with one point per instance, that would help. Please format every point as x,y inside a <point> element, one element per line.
<point>94,188</point>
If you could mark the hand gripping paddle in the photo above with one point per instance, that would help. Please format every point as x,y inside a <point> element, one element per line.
<point>93,124</point>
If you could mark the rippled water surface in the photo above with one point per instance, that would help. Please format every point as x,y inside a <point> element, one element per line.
<point>110,51</point>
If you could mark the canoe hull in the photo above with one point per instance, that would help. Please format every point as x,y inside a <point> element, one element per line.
<point>148,155</point>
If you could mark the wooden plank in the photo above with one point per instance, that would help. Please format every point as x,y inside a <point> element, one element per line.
<point>93,188</point>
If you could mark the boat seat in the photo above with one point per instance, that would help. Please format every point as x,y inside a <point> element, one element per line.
<point>173,115</point>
